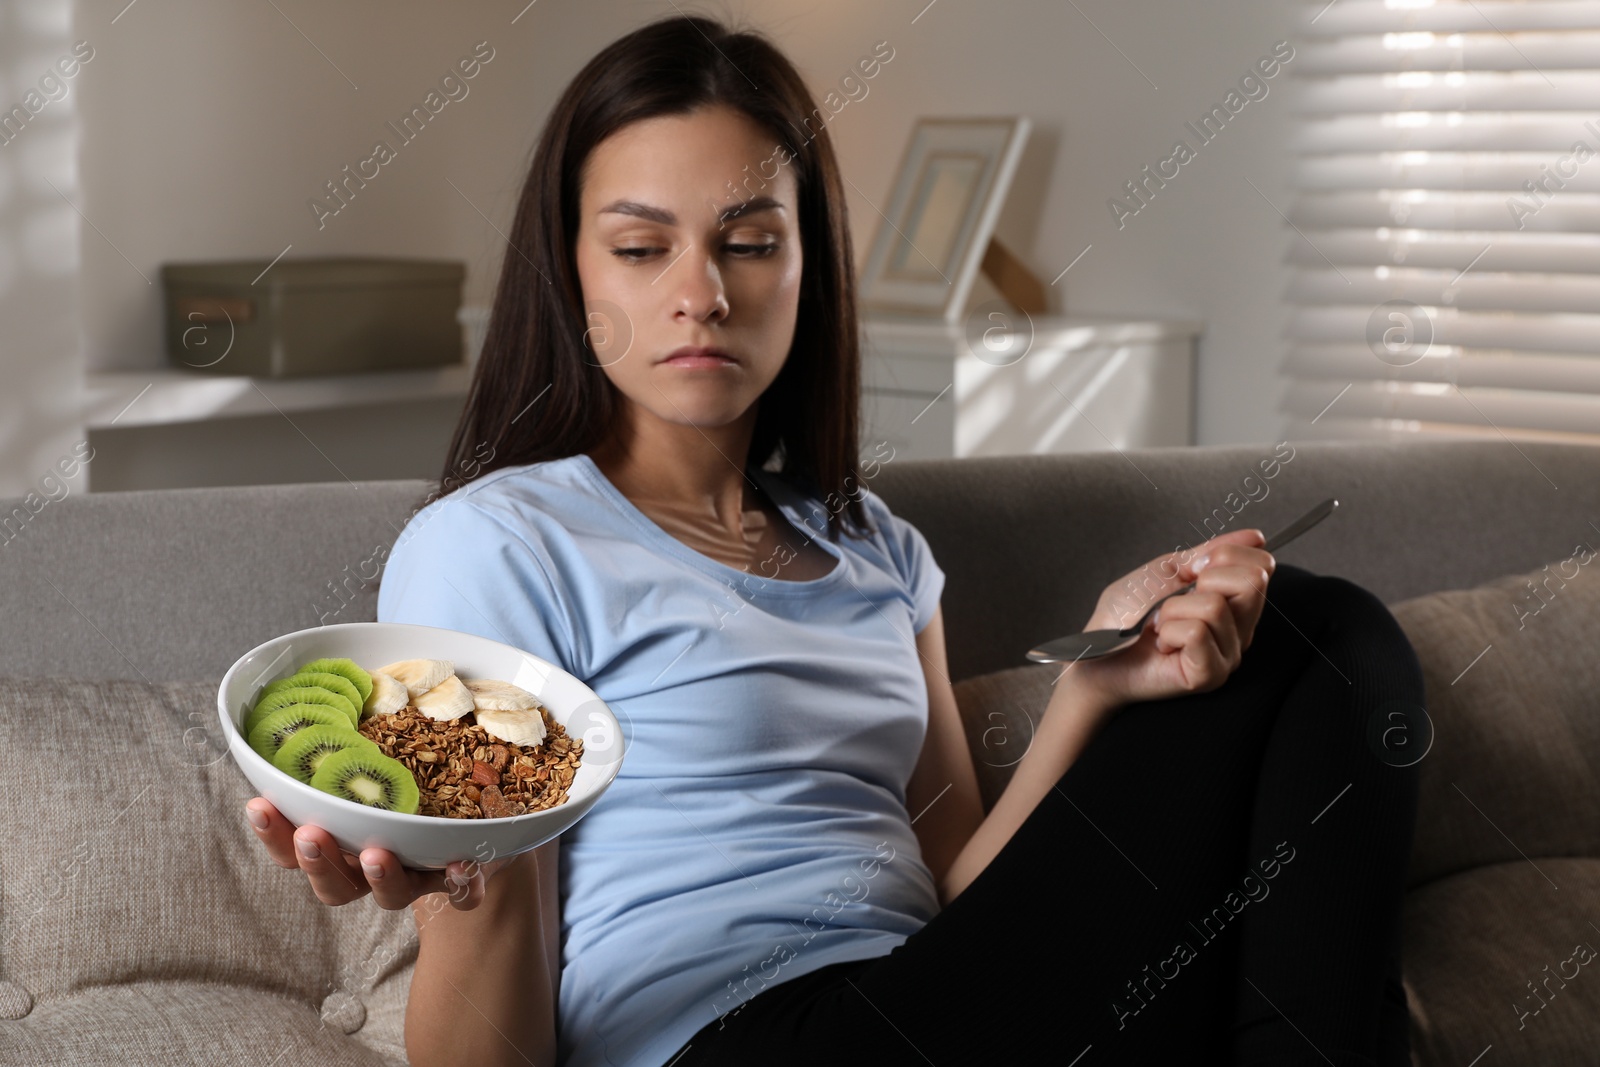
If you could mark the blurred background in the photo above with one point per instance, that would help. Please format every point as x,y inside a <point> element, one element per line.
<point>1396,233</point>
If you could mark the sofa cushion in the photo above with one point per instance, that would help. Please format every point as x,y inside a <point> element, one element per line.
<point>127,861</point>
<point>179,1023</point>
<point>1513,691</point>
<point>1485,956</point>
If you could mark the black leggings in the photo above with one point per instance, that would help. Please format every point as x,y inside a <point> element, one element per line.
<point>1216,879</point>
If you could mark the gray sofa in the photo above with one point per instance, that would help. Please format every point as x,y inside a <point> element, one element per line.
<point>140,922</point>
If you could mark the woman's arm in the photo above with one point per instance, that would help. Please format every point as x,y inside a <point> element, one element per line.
<point>957,839</point>
<point>1194,648</point>
<point>942,796</point>
<point>484,988</point>
<point>1070,719</point>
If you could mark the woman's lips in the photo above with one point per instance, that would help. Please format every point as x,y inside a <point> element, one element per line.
<point>699,359</point>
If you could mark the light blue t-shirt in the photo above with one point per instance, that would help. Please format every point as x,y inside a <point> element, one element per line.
<point>757,828</point>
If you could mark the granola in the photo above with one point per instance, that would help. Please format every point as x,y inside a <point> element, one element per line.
<point>464,773</point>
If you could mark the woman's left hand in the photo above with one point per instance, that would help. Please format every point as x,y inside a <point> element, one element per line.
<point>1194,641</point>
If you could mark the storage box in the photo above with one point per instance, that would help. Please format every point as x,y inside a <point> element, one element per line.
<point>311,316</point>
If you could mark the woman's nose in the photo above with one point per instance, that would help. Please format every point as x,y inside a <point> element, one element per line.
<point>697,281</point>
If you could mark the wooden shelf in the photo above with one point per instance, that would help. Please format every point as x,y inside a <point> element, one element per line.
<point>168,396</point>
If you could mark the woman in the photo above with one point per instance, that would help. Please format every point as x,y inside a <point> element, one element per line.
<point>794,863</point>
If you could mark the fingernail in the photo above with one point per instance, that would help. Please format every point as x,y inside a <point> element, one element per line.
<point>307,849</point>
<point>257,819</point>
<point>373,870</point>
<point>1200,564</point>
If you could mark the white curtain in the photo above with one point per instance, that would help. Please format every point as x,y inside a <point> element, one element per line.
<point>1445,256</point>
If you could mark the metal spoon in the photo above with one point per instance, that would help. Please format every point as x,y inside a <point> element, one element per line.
<point>1092,644</point>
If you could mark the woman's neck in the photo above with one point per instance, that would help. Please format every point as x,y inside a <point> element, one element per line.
<point>691,477</point>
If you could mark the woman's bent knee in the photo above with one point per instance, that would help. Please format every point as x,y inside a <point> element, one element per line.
<point>1340,620</point>
<point>1310,600</point>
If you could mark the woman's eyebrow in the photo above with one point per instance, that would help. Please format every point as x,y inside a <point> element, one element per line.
<point>667,218</point>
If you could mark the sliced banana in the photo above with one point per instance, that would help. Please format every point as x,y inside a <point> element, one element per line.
<point>388,695</point>
<point>419,675</point>
<point>519,726</point>
<point>491,695</point>
<point>450,699</point>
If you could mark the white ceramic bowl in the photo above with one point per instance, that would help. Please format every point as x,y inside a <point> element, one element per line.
<point>422,841</point>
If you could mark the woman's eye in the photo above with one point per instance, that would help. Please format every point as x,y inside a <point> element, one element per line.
<point>744,251</point>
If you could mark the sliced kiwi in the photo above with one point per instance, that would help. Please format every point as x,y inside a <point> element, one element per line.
<point>303,752</point>
<point>273,730</point>
<point>345,668</point>
<point>367,776</point>
<point>333,683</point>
<point>300,694</point>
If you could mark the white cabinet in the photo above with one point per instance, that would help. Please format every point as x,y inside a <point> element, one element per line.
<point>1079,385</point>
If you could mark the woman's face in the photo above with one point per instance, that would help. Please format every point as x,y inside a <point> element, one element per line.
<point>662,266</point>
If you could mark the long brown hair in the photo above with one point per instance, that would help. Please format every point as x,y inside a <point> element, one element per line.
<point>536,395</point>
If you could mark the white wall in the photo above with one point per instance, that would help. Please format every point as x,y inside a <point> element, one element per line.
<point>1207,246</point>
<point>206,129</point>
<point>40,361</point>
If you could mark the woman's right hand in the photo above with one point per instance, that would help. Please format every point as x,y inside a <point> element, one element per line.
<point>337,877</point>
<point>1193,642</point>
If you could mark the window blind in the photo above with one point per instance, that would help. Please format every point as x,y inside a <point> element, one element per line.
<point>1445,269</point>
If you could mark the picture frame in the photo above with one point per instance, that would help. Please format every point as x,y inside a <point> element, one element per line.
<point>936,230</point>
